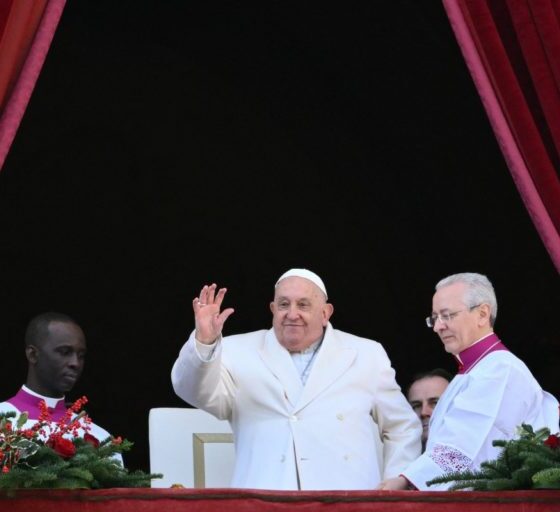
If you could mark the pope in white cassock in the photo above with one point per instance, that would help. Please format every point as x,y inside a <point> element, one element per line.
<point>311,407</point>
<point>493,393</point>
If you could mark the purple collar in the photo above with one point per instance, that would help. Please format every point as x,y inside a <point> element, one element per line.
<point>29,403</point>
<point>468,358</point>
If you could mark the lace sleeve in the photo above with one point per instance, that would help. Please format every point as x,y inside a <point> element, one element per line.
<point>449,459</point>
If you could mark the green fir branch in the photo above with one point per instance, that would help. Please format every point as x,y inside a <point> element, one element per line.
<point>547,479</point>
<point>530,461</point>
<point>63,460</point>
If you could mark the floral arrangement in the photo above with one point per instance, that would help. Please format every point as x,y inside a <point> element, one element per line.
<point>530,461</point>
<point>52,454</point>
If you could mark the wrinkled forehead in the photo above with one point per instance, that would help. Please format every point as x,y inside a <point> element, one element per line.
<point>296,288</point>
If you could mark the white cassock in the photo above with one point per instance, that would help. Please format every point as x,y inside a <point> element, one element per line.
<point>322,435</point>
<point>495,395</point>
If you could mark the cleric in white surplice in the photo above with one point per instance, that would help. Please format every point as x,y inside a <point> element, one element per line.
<point>493,393</point>
<point>310,407</point>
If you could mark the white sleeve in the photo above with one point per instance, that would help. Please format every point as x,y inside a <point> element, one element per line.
<point>490,406</point>
<point>206,352</point>
<point>399,427</point>
<point>201,380</point>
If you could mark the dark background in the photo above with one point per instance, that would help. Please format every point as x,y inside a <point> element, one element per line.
<point>170,144</point>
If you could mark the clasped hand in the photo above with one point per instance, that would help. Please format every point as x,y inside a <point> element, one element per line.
<point>398,483</point>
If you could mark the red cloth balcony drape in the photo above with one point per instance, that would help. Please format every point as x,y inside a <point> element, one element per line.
<point>512,50</point>
<point>246,500</point>
<point>26,31</point>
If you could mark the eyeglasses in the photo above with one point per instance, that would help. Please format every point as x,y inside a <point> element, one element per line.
<point>445,317</point>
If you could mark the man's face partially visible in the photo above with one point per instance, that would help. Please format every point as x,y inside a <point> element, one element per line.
<point>60,358</point>
<point>423,396</point>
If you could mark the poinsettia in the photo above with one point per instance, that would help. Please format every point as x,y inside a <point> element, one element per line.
<point>63,447</point>
<point>88,438</point>
<point>552,441</point>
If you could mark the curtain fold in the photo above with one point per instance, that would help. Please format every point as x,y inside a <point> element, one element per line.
<point>26,30</point>
<point>512,50</point>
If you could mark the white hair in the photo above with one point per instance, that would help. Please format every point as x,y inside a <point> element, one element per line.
<point>479,291</point>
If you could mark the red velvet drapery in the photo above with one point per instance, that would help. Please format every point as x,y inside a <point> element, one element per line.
<point>512,50</point>
<point>26,31</point>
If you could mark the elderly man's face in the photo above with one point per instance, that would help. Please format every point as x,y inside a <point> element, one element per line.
<point>465,325</point>
<point>300,313</point>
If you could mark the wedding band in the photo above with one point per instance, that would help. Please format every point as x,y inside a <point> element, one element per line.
<point>200,304</point>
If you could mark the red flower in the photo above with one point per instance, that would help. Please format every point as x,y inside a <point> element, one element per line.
<point>28,433</point>
<point>64,447</point>
<point>552,442</point>
<point>88,438</point>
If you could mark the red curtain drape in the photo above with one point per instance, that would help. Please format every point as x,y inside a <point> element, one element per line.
<point>512,50</point>
<point>26,31</point>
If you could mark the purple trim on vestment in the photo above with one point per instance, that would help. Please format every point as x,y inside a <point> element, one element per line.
<point>473,354</point>
<point>29,403</point>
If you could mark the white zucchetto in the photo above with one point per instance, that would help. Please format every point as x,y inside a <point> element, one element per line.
<point>306,274</point>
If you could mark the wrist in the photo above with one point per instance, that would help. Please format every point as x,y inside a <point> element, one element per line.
<point>204,342</point>
<point>409,485</point>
